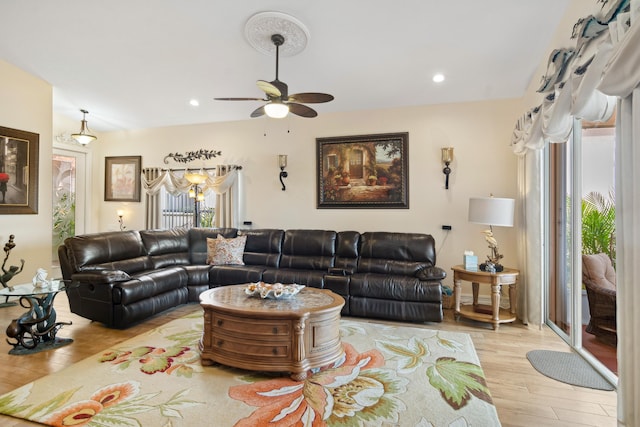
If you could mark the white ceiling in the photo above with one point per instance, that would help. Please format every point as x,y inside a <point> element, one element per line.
<point>136,64</point>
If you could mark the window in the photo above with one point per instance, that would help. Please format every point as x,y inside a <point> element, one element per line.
<point>180,210</point>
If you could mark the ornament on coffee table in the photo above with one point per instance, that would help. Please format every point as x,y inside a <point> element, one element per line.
<point>40,279</point>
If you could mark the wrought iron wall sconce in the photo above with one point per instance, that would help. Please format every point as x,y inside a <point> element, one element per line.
<point>120,214</point>
<point>447,158</point>
<point>282,163</point>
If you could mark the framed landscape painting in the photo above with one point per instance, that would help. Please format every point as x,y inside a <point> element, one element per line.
<point>19,151</point>
<point>122,178</point>
<point>365,171</point>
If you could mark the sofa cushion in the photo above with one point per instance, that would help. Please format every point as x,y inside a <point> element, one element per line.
<point>125,315</point>
<point>221,275</point>
<point>102,251</point>
<point>166,247</point>
<point>158,242</point>
<point>393,287</point>
<point>408,311</point>
<point>129,266</point>
<point>347,243</point>
<point>314,278</point>
<point>308,249</point>
<point>396,253</point>
<point>149,284</point>
<point>221,251</point>
<point>263,246</point>
<point>597,269</point>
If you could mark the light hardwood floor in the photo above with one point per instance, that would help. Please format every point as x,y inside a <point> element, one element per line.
<point>522,396</point>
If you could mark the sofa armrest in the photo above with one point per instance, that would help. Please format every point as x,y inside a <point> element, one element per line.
<point>100,276</point>
<point>431,273</point>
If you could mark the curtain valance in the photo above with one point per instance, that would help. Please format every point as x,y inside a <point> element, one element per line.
<point>622,73</point>
<point>574,87</point>
<point>175,183</point>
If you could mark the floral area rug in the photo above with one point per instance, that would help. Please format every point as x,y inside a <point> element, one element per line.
<point>389,376</point>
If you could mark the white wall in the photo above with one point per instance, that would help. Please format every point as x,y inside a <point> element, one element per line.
<point>25,104</point>
<point>598,160</point>
<point>483,164</point>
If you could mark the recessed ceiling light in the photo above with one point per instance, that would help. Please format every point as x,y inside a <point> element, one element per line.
<point>438,78</point>
<point>194,103</point>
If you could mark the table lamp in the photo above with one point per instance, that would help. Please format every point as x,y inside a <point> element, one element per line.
<point>492,211</point>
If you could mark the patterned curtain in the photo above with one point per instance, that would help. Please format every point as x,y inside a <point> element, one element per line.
<point>622,79</point>
<point>226,197</point>
<point>153,215</point>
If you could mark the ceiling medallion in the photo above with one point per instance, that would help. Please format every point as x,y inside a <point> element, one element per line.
<point>261,26</point>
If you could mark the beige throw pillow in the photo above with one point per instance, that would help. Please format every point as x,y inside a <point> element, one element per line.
<point>222,251</point>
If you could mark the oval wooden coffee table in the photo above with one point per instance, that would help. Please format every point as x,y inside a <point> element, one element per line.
<point>285,335</point>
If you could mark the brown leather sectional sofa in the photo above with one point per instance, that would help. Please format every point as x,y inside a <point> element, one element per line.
<point>120,278</point>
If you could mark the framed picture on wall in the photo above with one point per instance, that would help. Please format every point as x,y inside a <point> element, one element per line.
<point>122,178</point>
<point>19,151</point>
<point>365,171</point>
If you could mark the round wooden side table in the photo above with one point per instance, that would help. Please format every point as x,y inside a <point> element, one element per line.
<point>481,312</point>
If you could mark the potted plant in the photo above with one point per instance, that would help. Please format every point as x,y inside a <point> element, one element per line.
<point>599,225</point>
<point>598,233</point>
<point>382,180</point>
<point>373,179</point>
<point>346,178</point>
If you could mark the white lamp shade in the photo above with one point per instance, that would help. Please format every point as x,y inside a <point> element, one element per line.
<point>491,211</point>
<point>196,178</point>
<point>83,138</point>
<point>447,154</point>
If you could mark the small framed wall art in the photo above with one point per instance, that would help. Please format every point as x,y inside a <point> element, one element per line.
<point>122,178</point>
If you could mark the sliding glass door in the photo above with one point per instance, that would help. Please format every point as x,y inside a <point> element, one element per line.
<point>580,166</point>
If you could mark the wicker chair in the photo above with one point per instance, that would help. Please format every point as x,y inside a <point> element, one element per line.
<point>599,278</point>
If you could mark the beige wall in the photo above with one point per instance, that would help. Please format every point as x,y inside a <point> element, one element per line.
<point>26,104</point>
<point>483,164</point>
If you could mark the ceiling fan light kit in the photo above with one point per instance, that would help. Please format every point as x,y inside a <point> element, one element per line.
<point>276,110</point>
<point>285,33</point>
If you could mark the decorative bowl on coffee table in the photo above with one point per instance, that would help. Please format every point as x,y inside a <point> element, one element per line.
<point>273,290</point>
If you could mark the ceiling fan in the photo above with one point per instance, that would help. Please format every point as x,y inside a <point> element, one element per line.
<point>279,102</point>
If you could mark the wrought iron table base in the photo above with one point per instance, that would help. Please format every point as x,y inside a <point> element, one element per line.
<point>36,327</point>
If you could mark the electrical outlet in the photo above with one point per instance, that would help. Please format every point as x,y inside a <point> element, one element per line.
<point>446,227</point>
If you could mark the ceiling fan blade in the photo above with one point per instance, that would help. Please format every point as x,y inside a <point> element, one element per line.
<point>301,110</point>
<point>311,97</point>
<point>258,112</point>
<point>269,88</point>
<point>240,99</point>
